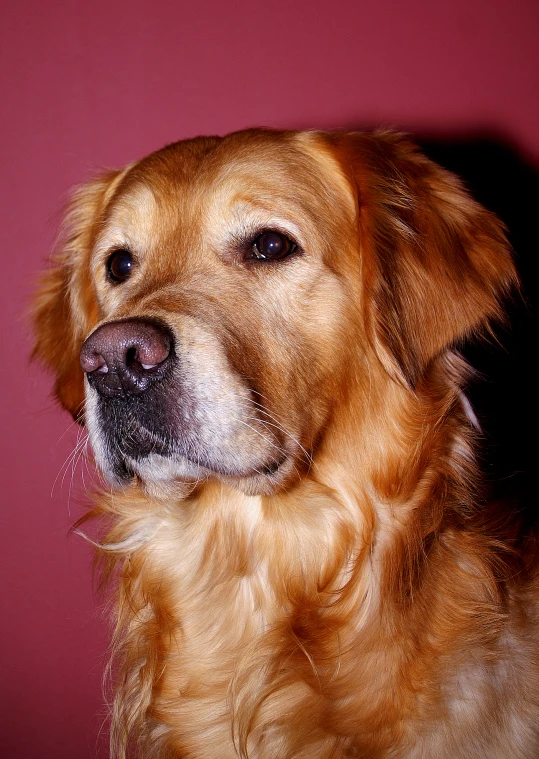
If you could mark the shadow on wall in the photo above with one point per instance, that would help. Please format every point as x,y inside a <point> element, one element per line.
<point>505,393</point>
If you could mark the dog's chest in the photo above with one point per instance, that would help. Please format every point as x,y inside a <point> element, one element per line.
<point>220,605</point>
<point>232,604</point>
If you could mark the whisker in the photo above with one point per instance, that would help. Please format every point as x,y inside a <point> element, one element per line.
<point>279,426</point>
<point>68,461</point>
<point>76,421</point>
<point>264,437</point>
<point>261,421</point>
<point>74,463</point>
<point>277,423</point>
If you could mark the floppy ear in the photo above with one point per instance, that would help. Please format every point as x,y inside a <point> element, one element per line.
<point>436,263</point>
<point>65,307</point>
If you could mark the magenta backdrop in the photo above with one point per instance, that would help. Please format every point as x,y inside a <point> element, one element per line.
<point>91,84</point>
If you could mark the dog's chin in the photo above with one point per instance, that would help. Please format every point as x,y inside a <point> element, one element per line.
<point>175,477</point>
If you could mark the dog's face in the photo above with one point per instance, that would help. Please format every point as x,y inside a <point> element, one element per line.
<point>219,310</point>
<point>225,296</point>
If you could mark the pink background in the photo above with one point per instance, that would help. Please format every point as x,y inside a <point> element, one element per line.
<point>91,84</point>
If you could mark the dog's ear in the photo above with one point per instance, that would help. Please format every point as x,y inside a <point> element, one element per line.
<point>65,307</point>
<point>436,264</point>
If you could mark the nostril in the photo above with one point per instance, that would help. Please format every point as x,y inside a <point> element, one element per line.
<point>147,354</point>
<point>92,361</point>
<point>131,356</point>
<point>150,350</point>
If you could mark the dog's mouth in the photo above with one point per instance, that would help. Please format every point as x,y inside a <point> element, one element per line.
<point>186,469</point>
<point>143,441</point>
<point>158,473</point>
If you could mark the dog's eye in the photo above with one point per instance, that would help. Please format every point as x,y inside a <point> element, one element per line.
<point>272,246</point>
<point>119,265</point>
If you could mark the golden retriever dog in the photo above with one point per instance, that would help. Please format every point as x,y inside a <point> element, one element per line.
<point>259,333</point>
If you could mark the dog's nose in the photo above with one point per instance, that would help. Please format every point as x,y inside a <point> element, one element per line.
<point>125,358</point>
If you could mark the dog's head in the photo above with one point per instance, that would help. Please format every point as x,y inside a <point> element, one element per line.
<point>218,302</point>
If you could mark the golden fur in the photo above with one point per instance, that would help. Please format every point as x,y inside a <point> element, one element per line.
<point>318,576</point>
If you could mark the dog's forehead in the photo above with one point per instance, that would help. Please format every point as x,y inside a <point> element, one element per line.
<point>282,170</point>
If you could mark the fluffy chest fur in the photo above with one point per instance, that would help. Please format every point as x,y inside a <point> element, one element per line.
<point>247,630</point>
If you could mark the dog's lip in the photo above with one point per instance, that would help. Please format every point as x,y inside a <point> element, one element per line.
<point>269,469</point>
<point>274,466</point>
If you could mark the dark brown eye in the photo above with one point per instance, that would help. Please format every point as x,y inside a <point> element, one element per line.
<point>119,265</point>
<point>272,246</point>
